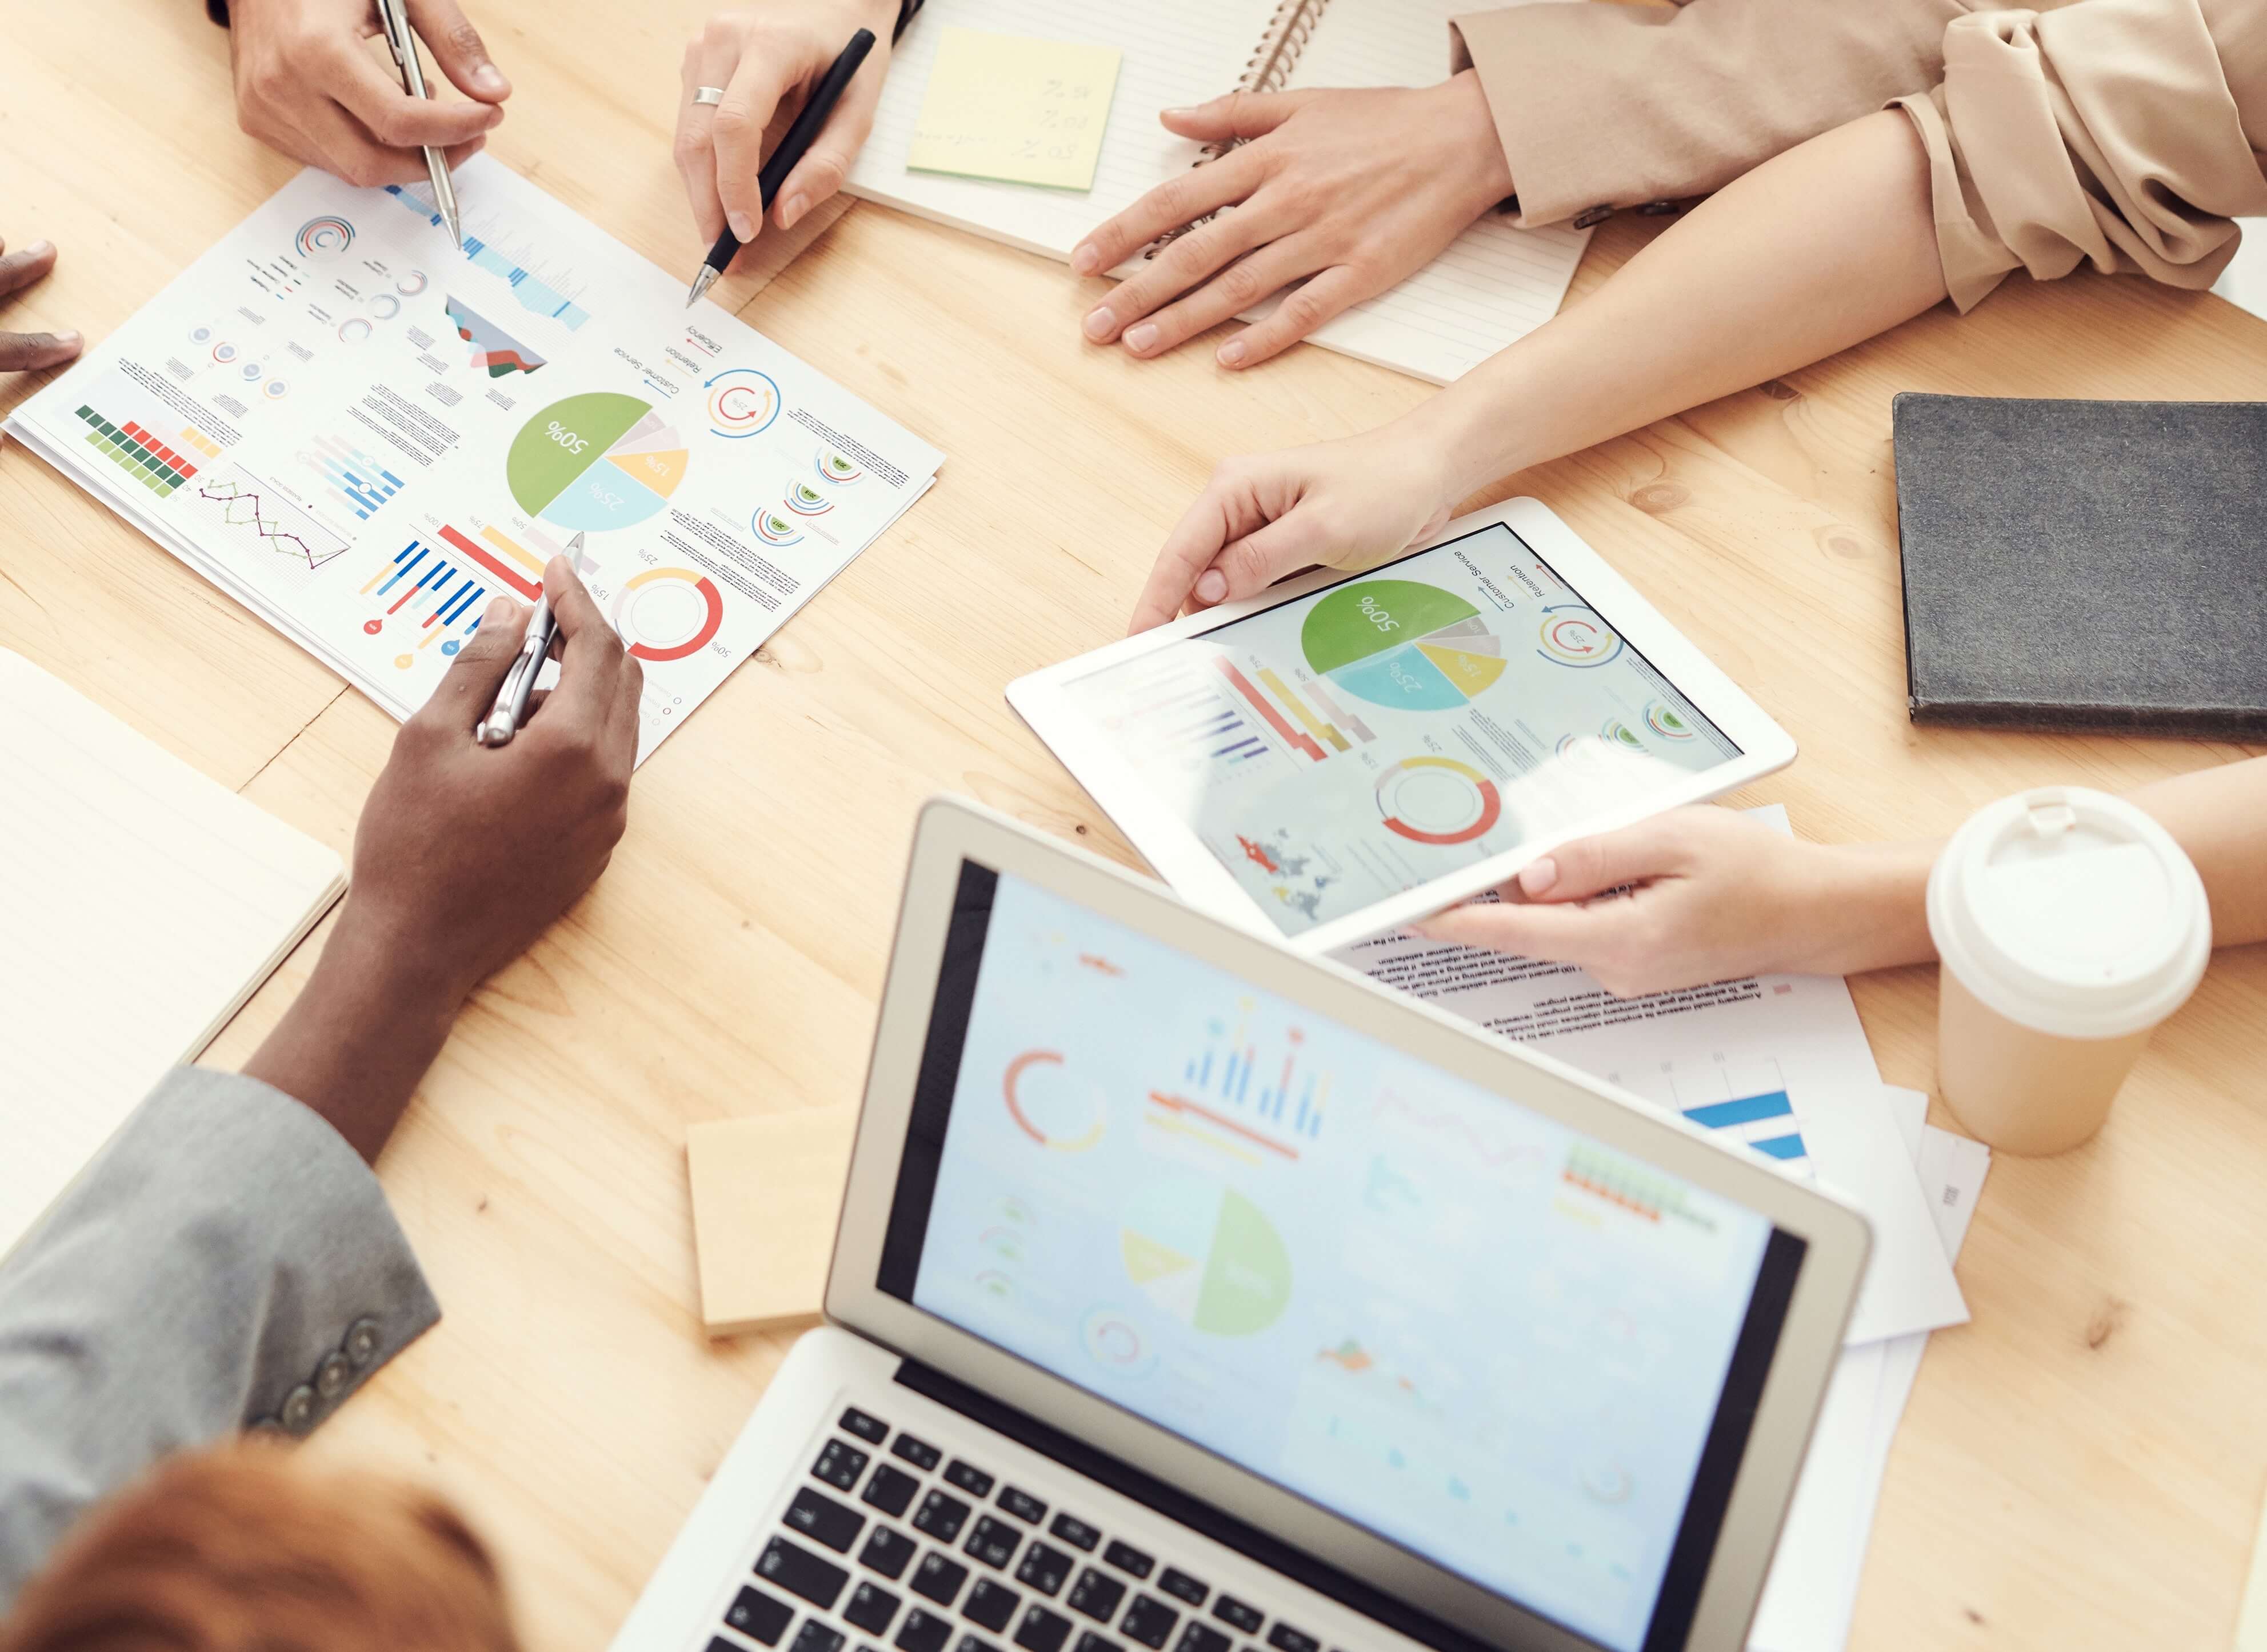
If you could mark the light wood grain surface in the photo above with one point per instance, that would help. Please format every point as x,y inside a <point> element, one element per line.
<point>2082,1466</point>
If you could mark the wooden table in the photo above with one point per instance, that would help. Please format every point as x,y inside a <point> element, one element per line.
<point>2080,1467</point>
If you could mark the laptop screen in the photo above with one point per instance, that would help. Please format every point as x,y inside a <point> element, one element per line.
<point>1523,1357</point>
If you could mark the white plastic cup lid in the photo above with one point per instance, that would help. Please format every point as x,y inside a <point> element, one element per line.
<point>2071,912</point>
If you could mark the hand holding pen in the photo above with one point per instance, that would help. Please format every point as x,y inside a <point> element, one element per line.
<point>722,169</point>
<point>307,83</point>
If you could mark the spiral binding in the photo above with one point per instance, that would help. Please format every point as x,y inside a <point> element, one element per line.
<point>1267,69</point>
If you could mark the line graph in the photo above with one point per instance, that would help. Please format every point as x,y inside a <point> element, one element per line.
<point>248,502</point>
<point>1496,1154</point>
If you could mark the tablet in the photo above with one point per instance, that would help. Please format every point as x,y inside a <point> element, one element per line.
<point>1346,753</point>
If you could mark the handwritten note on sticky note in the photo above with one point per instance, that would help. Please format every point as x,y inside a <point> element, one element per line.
<point>1010,107</point>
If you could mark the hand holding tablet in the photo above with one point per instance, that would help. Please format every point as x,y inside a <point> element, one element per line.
<point>1344,754</point>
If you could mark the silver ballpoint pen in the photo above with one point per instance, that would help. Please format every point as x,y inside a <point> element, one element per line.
<point>394,18</point>
<point>511,709</point>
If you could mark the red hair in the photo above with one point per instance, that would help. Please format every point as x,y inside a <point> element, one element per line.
<point>243,1549</point>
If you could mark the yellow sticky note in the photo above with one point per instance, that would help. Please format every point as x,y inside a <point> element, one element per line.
<point>1022,110</point>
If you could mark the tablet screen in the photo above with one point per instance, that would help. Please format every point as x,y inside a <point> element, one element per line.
<point>1356,743</point>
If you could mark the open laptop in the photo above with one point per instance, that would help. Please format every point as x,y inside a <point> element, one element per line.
<point>1193,1296</point>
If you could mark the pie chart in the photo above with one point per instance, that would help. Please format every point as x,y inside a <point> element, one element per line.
<point>1400,643</point>
<point>1438,800</point>
<point>595,461</point>
<point>1205,1254</point>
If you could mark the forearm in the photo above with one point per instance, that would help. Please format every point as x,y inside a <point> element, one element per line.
<point>1811,253</point>
<point>362,1033</point>
<point>2218,816</point>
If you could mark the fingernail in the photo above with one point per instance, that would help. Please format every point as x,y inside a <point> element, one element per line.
<point>68,336</point>
<point>742,230</point>
<point>1141,338</point>
<point>488,78</point>
<point>1212,585</point>
<point>498,610</point>
<point>40,248</point>
<point>1085,260</point>
<point>1537,878</point>
<point>1230,354</point>
<point>1098,322</point>
<point>790,210</point>
<point>1177,114</point>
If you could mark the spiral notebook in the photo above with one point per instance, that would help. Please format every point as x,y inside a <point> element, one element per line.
<point>1492,285</point>
<point>144,903</point>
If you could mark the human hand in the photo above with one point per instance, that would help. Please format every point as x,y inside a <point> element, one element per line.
<point>308,85</point>
<point>1347,191</point>
<point>28,352</point>
<point>767,58</point>
<point>465,853</point>
<point>1712,895</point>
<point>1349,504</point>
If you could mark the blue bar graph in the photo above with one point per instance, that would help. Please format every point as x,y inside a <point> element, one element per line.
<point>359,481</point>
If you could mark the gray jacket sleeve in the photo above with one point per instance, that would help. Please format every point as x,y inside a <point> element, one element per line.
<point>227,1261</point>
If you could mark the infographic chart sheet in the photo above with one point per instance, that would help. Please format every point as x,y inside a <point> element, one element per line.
<point>365,434</point>
<point>1352,745</point>
<point>1288,1243</point>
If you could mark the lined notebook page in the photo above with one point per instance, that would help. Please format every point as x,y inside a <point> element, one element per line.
<point>1493,283</point>
<point>1177,52</point>
<point>143,902</point>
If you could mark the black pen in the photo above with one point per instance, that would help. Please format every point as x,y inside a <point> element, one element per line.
<point>792,149</point>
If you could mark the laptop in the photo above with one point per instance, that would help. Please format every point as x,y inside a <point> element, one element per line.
<point>1194,1297</point>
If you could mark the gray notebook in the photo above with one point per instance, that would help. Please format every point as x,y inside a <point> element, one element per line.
<point>2095,565</point>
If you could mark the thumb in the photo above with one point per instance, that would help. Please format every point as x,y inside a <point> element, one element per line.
<point>1248,566</point>
<point>457,47</point>
<point>1237,114</point>
<point>820,172</point>
<point>469,690</point>
<point>1588,867</point>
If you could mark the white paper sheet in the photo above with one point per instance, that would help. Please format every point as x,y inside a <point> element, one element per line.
<point>364,434</point>
<point>1813,1587</point>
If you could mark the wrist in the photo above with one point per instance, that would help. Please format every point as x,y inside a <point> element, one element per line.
<point>1869,907</point>
<point>1463,102</point>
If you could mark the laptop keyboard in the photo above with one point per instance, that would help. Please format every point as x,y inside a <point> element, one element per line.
<point>889,1546</point>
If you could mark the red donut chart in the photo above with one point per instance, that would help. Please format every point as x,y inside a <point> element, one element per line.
<point>662,652</point>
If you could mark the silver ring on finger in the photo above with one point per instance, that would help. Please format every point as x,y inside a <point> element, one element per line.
<point>708,94</point>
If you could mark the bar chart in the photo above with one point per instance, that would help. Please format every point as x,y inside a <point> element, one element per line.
<point>356,480</point>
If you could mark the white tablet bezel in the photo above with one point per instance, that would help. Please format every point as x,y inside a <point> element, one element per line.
<point>951,832</point>
<point>1180,857</point>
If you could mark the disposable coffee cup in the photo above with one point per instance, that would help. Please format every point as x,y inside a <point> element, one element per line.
<point>2070,924</point>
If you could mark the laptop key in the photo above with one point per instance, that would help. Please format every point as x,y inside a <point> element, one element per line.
<point>871,1607</point>
<point>891,1490</point>
<point>799,1571</point>
<point>1128,1559</point>
<point>990,1604</point>
<point>993,1542</point>
<point>941,1515</point>
<point>1075,1532</point>
<point>840,1464</point>
<point>969,1478</point>
<point>974,1643</point>
<point>1042,1631</point>
<point>1043,1568</point>
<point>867,1426</point>
<point>1236,1614</point>
<point>1181,1586</point>
<point>923,1631</point>
<point>1097,1594</point>
<point>888,1551</point>
<point>1200,1636</point>
<point>1089,1641</point>
<point>815,1636</point>
<point>1148,1620</point>
<point>1022,1504</point>
<point>1284,1638</point>
<point>920,1453</point>
<point>820,1517</point>
<point>759,1616</point>
<point>938,1579</point>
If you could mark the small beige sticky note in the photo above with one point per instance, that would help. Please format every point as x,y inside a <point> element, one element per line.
<point>765,1192</point>
<point>1022,110</point>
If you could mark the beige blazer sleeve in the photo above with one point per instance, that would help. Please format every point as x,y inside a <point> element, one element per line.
<point>2123,134</point>
<point>1600,106</point>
